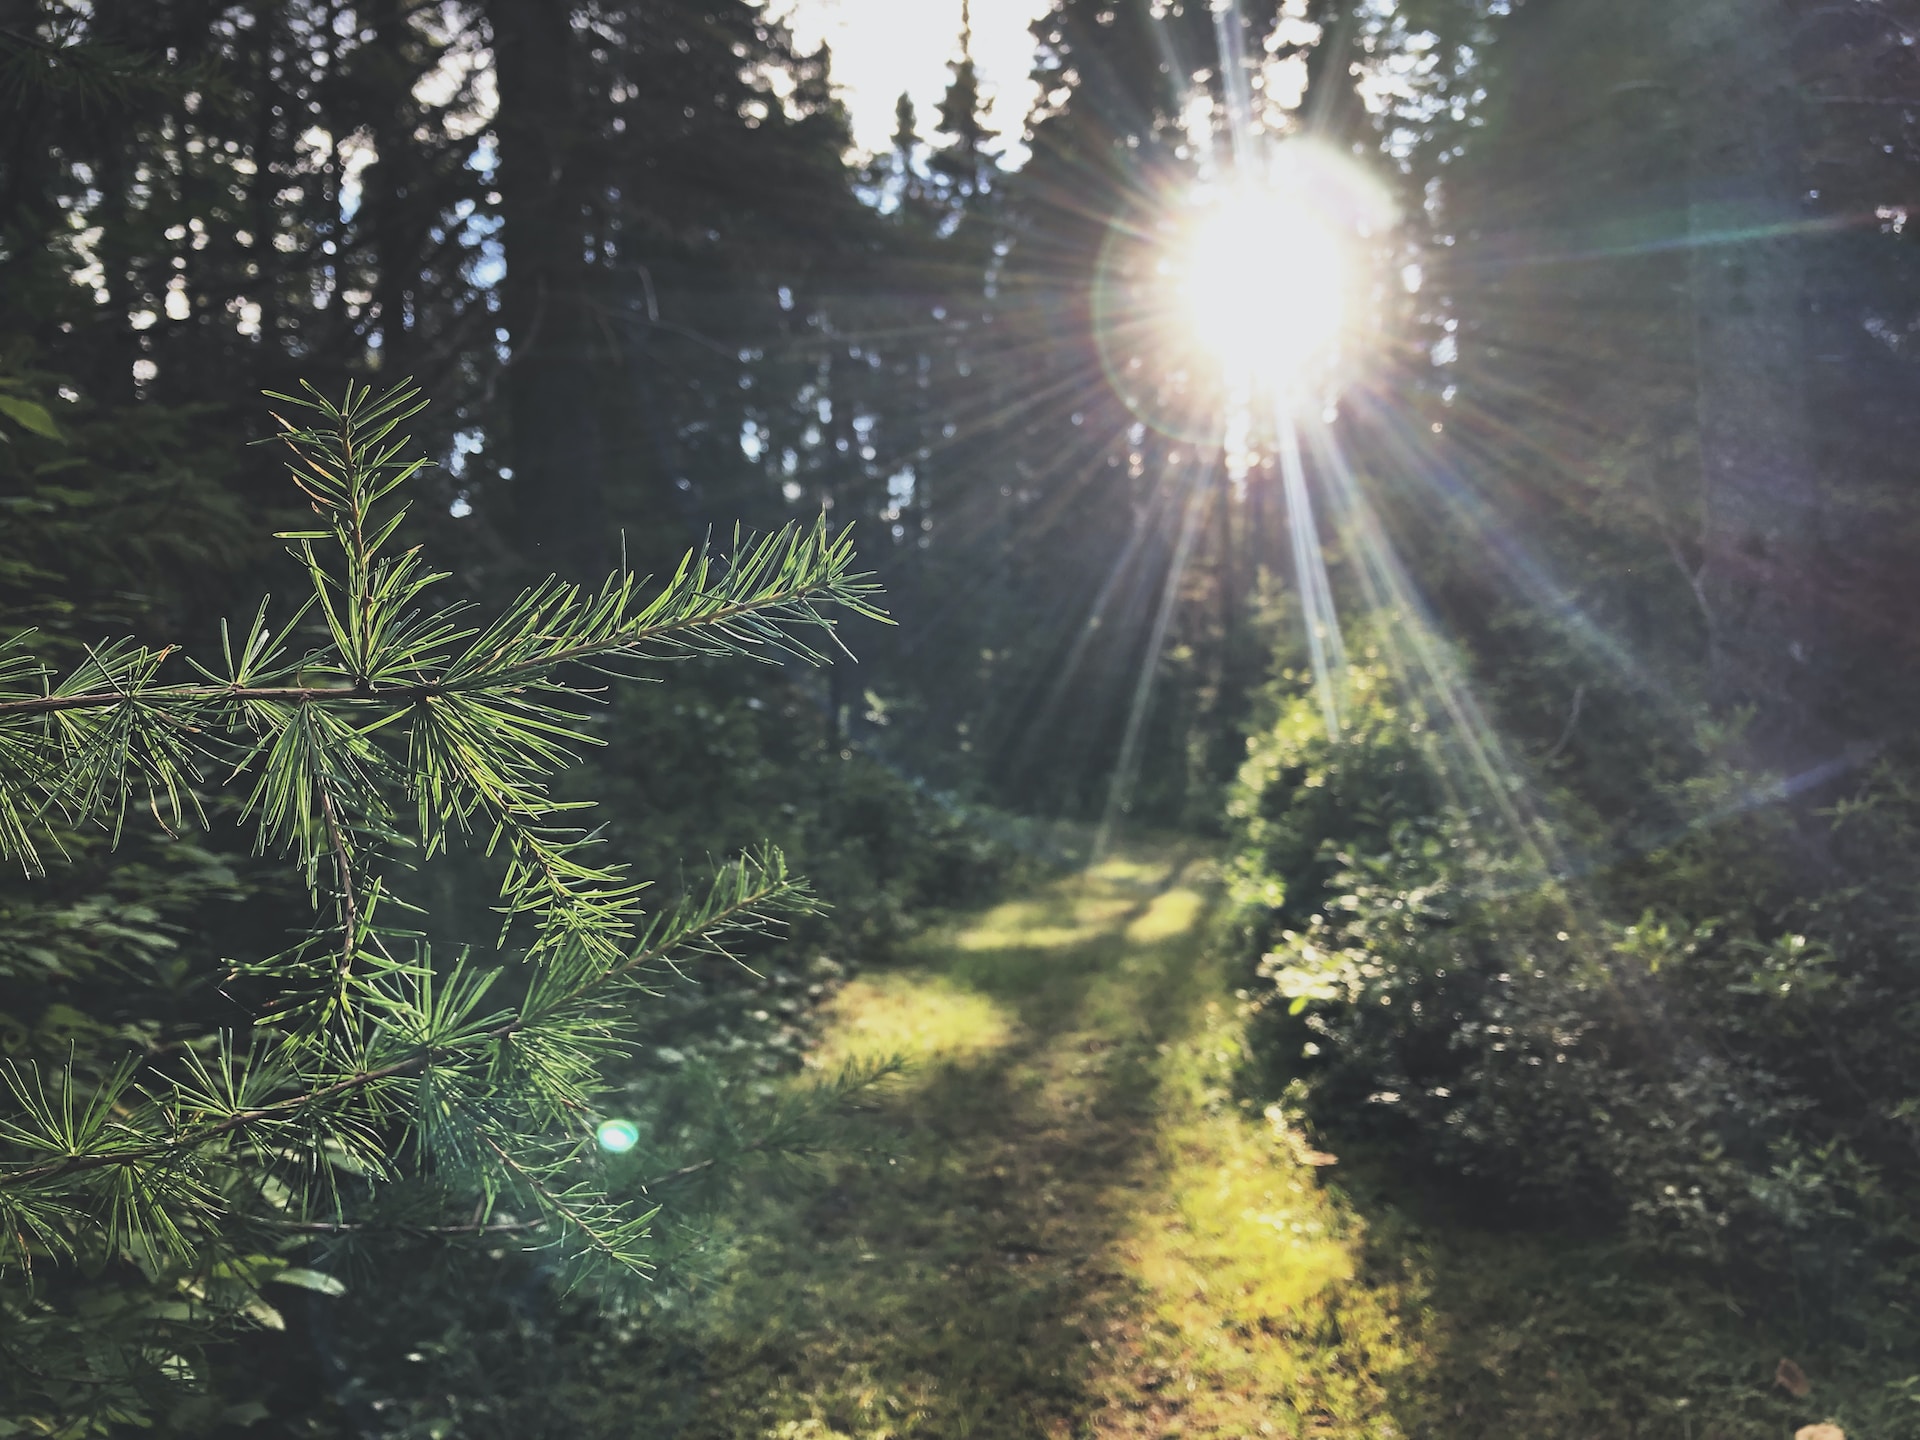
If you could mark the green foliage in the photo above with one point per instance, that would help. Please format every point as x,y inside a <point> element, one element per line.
<point>121,520</point>
<point>1538,1331</point>
<point>1683,1044</point>
<point>357,734</point>
<point>726,755</point>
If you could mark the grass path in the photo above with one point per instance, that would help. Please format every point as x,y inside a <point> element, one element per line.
<point>1071,1227</point>
<point>1078,1232</point>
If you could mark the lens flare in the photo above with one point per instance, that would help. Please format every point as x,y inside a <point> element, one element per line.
<point>617,1137</point>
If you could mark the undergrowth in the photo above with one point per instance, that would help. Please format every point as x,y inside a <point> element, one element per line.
<point>1643,1078</point>
<point>1080,1210</point>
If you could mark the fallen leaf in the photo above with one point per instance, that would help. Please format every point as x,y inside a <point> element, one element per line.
<point>1792,1379</point>
<point>1819,1432</point>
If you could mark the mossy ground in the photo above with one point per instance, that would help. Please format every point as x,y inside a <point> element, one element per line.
<point>1071,1226</point>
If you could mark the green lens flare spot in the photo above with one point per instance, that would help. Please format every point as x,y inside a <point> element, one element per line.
<point>617,1137</point>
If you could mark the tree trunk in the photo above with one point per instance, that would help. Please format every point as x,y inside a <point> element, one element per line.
<point>27,217</point>
<point>1334,111</point>
<point>557,442</point>
<point>392,211</point>
<point>1763,561</point>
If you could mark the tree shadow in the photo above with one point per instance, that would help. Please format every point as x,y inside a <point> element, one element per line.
<point>948,1288</point>
<point>1533,1326</point>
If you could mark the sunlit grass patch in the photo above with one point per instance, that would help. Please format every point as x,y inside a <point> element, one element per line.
<point>1252,1316</point>
<point>1078,1236</point>
<point>1172,913</point>
<point>913,1015</point>
<point>1057,921</point>
<point>1121,871</point>
<point>1240,1230</point>
<point>1085,907</point>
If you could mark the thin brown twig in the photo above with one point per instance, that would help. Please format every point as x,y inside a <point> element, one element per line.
<point>343,867</point>
<point>476,1227</point>
<point>360,1227</point>
<point>559,1206</point>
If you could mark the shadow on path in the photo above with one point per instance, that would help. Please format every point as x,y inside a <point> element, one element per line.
<point>1076,1230</point>
<point>1072,1225</point>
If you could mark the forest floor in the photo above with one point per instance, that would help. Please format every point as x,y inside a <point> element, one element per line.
<point>1077,1228</point>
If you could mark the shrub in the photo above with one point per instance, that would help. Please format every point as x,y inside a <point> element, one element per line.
<point>1680,1043</point>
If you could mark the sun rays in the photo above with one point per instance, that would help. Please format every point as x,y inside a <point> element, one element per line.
<point>1218,399</point>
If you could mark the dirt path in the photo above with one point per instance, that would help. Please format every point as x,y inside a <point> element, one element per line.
<point>1077,1231</point>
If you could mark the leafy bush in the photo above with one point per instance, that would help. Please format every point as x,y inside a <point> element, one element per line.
<point>725,756</point>
<point>1679,1042</point>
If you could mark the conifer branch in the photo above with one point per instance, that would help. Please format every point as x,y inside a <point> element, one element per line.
<point>696,927</point>
<point>358,1047</point>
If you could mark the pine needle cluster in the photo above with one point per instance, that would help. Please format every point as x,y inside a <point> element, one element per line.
<point>361,732</point>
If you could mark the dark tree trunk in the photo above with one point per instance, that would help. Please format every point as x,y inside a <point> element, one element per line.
<point>395,215</point>
<point>557,440</point>
<point>27,217</point>
<point>1334,111</point>
<point>268,177</point>
<point>1763,557</point>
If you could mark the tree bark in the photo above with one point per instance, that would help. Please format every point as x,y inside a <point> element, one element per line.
<point>547,304</point>
<point>1331,104</point>
<point>393,213</point>
<point>27,217</point>
<point>1764,570</point>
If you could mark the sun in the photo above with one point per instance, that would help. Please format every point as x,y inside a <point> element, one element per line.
<point>1229,299</point>
<point>1263,274</point>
